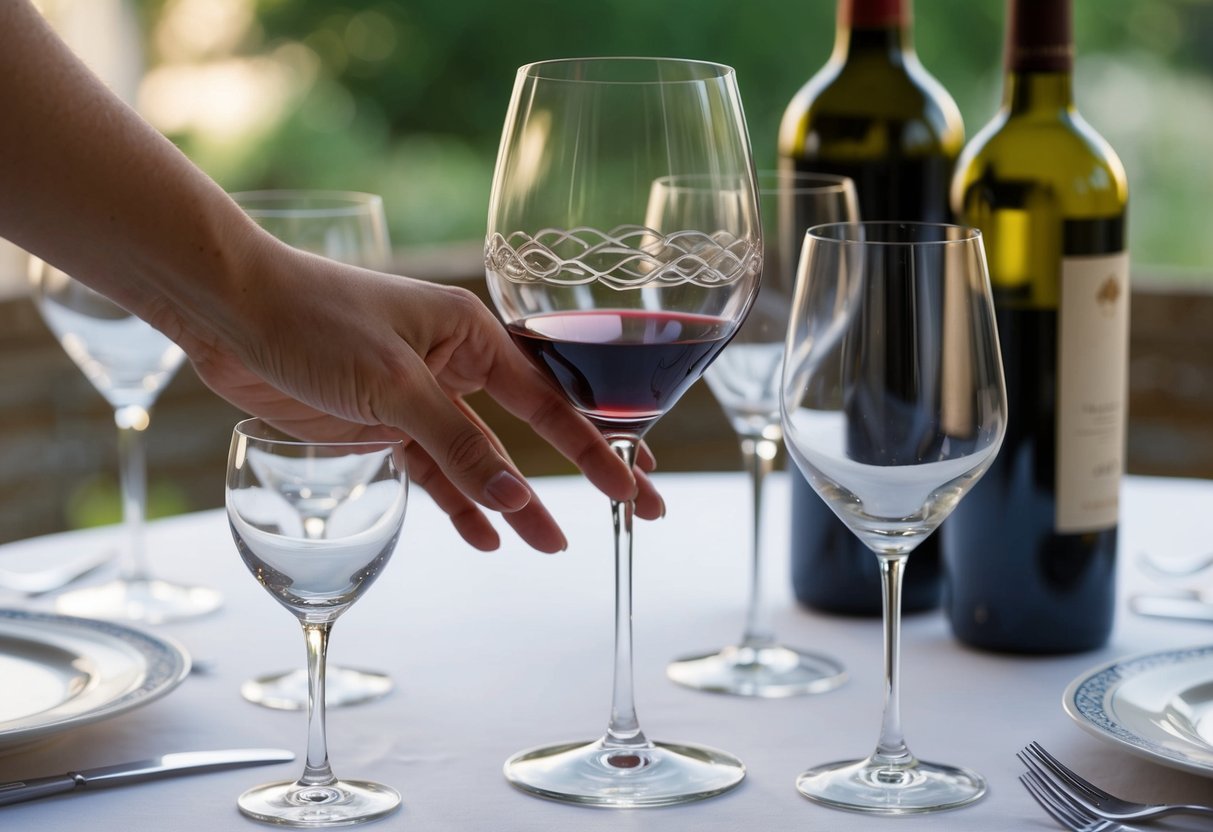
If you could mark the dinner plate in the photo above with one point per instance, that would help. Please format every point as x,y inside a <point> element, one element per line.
<point>1157,705</point>
<point>61,672</point>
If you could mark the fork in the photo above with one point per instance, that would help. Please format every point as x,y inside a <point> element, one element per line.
<point>1062,810</point>
<point>1094,800</point>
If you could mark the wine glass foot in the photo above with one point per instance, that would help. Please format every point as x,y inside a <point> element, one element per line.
<point>598,774</point>
<point>340,803</point>
<point>288,691</point>
<point>914,788</point>
<point>146,601</point>
<point>770,671</point>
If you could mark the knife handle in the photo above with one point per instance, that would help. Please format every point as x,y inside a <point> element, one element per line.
<point>23,790</point>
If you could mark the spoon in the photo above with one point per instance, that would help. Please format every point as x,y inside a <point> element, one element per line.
<point>1182,566</point>
<point>42,581</point>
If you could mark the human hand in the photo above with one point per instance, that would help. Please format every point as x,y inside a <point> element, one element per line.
<point>328,351</point>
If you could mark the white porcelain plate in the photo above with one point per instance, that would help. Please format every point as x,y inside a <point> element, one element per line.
<point>1157,705</point>
<point>61,672</point>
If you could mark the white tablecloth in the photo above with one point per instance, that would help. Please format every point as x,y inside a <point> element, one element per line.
<point>496,652</point>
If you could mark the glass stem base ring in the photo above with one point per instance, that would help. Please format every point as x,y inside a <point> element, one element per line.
<point>768,671</point>
<point>340,803</point>
<point>877,788</point>
<point>288,691</point>
<point>602,774</point>
<point>146,601</point>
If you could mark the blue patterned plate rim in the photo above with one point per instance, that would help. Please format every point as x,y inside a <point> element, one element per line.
<point>1086,702</point>
<point>160,665</point>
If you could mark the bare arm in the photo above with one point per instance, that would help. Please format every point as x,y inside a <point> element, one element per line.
<point>86,184</point>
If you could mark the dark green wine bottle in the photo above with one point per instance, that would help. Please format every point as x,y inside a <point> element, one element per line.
<point>874,114</point>
<point>1031,551</point>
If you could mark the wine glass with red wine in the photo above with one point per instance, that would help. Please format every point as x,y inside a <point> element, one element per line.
<point>893,406</point>
<point>623,301</point>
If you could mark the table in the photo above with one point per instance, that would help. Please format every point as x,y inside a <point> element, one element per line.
<point>495,652</point>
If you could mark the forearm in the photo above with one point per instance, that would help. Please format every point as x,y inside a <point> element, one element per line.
<point>89,186</point>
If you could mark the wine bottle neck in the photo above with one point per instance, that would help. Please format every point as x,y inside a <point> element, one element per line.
<point>1039,56</point>
<point>1042,93</point>
<point>869,29</point>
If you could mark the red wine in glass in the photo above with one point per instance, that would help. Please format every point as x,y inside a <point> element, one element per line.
<point>622,368</point>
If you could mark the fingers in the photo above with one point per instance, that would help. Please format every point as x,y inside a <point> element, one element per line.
<point>460,461</point>
<point>649,505</point>
<point>467,518</point>
<point>521,390</point>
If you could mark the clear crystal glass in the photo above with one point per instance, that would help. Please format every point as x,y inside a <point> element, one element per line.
<point>893,406</point>
<point>745,381</point>
<point>349,227</point>
<point>315,523</point>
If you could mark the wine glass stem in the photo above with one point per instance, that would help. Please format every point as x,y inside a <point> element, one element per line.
<point>132,420</point>
<point>892,749</point>
<point>624,727</point>
<point>758,453</point>
<point>316,771</point>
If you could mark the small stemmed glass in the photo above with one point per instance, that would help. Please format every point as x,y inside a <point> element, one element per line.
<point>745,381</point>
<point>315,523</point>
<point>129,362</point>
<point>350,227</point>
<point>893,406</point>
<point>622,300</point>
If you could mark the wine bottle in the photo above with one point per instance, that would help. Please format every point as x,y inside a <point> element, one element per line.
<point>1031,551</point>
<point>874,114</point>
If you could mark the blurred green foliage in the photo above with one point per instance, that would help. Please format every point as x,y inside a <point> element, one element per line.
<point>410,94</point>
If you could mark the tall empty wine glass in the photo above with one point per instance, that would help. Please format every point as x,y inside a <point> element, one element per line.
<point>349,227</point>
<point>623,303</point>
<point>315,523</point>
<point>893,406</point>
<point>130,363</point>
<point>745,381</point>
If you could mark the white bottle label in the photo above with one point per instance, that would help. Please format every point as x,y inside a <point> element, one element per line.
<point>1092,388</point>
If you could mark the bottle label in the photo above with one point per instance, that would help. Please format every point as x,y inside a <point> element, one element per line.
<point>1092,385</point>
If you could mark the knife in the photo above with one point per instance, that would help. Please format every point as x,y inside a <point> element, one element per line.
<point>140,771</point>
<point>1164,606</point>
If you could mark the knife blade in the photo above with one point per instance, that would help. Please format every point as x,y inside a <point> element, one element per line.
<point>1163,606</point>
<point>139,771</point>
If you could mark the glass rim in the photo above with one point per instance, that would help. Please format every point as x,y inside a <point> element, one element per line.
<point>712,70</point>
<point>801,184</point>
<point>805,182</point>
<point>966,234</point>
<point>294,202</point>
<point>284,440</point>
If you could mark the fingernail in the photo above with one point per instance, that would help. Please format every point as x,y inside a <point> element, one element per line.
<point>506,492</point>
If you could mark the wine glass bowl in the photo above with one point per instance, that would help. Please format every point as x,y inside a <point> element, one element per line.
<point>622,298</point>
<point>350,227</point>
<point>315,524</point>
<point>745,382</point>
<point>129,362</point>
<point>893,406</point>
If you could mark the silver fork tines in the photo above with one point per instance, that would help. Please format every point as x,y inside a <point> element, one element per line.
<point>1086,798</point>
<point>1063,811</point>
